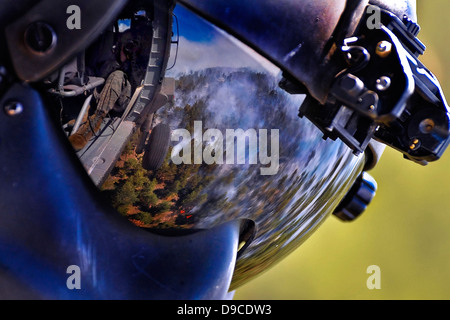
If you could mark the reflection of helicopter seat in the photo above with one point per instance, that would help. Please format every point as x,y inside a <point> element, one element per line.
<point>76,87</point>
<point>73,80</point>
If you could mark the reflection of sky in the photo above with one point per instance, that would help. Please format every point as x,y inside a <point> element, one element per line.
<point>124,24</point>
<point>202,45</point>
<point>193,28</point>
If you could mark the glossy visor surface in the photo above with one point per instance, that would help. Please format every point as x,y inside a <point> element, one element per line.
<point>221,143</point>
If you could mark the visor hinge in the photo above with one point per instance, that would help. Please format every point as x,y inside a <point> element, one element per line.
<point>357,199</point>
<point>385,93</point>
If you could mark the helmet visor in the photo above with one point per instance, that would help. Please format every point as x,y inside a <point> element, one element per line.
<point>216,141</point>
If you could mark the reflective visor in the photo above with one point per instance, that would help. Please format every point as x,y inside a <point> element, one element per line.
<point>216,141</point>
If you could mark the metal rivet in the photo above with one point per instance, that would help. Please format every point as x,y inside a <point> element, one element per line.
<point>415,144</point>
<point>13,108</point>
<point>383,83</point>
<point>427,126</point>
<point>383,49</point>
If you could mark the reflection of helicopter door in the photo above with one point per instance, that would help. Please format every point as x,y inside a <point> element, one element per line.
<point>157,64</point>
<point>100,155</point>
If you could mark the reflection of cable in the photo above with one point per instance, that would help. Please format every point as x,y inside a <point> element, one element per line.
<point>61,110</point>
<point>177,42</point>
<point>125,114</point>
<point>110,125</point>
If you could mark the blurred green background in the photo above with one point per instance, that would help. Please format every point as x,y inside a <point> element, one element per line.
<point>405,231</point>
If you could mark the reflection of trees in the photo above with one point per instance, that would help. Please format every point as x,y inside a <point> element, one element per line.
<point>184,196</point>
<point>240,191</point>
<point>284,206</point>
<point>221,99</point>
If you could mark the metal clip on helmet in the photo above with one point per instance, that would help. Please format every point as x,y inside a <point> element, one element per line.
<point>116,183</point>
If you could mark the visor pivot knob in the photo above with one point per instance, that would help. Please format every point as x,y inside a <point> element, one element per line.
<point>40,37</point>
<point>357,199</point>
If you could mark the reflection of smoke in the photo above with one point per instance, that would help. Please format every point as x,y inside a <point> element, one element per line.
<point>284,205</point>
<point>226,98</point>
<point>232,103</point>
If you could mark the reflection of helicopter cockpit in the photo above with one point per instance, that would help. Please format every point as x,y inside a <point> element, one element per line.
<point>110,91</point>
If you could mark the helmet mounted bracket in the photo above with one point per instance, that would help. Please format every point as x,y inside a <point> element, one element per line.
<point>384,93</point>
